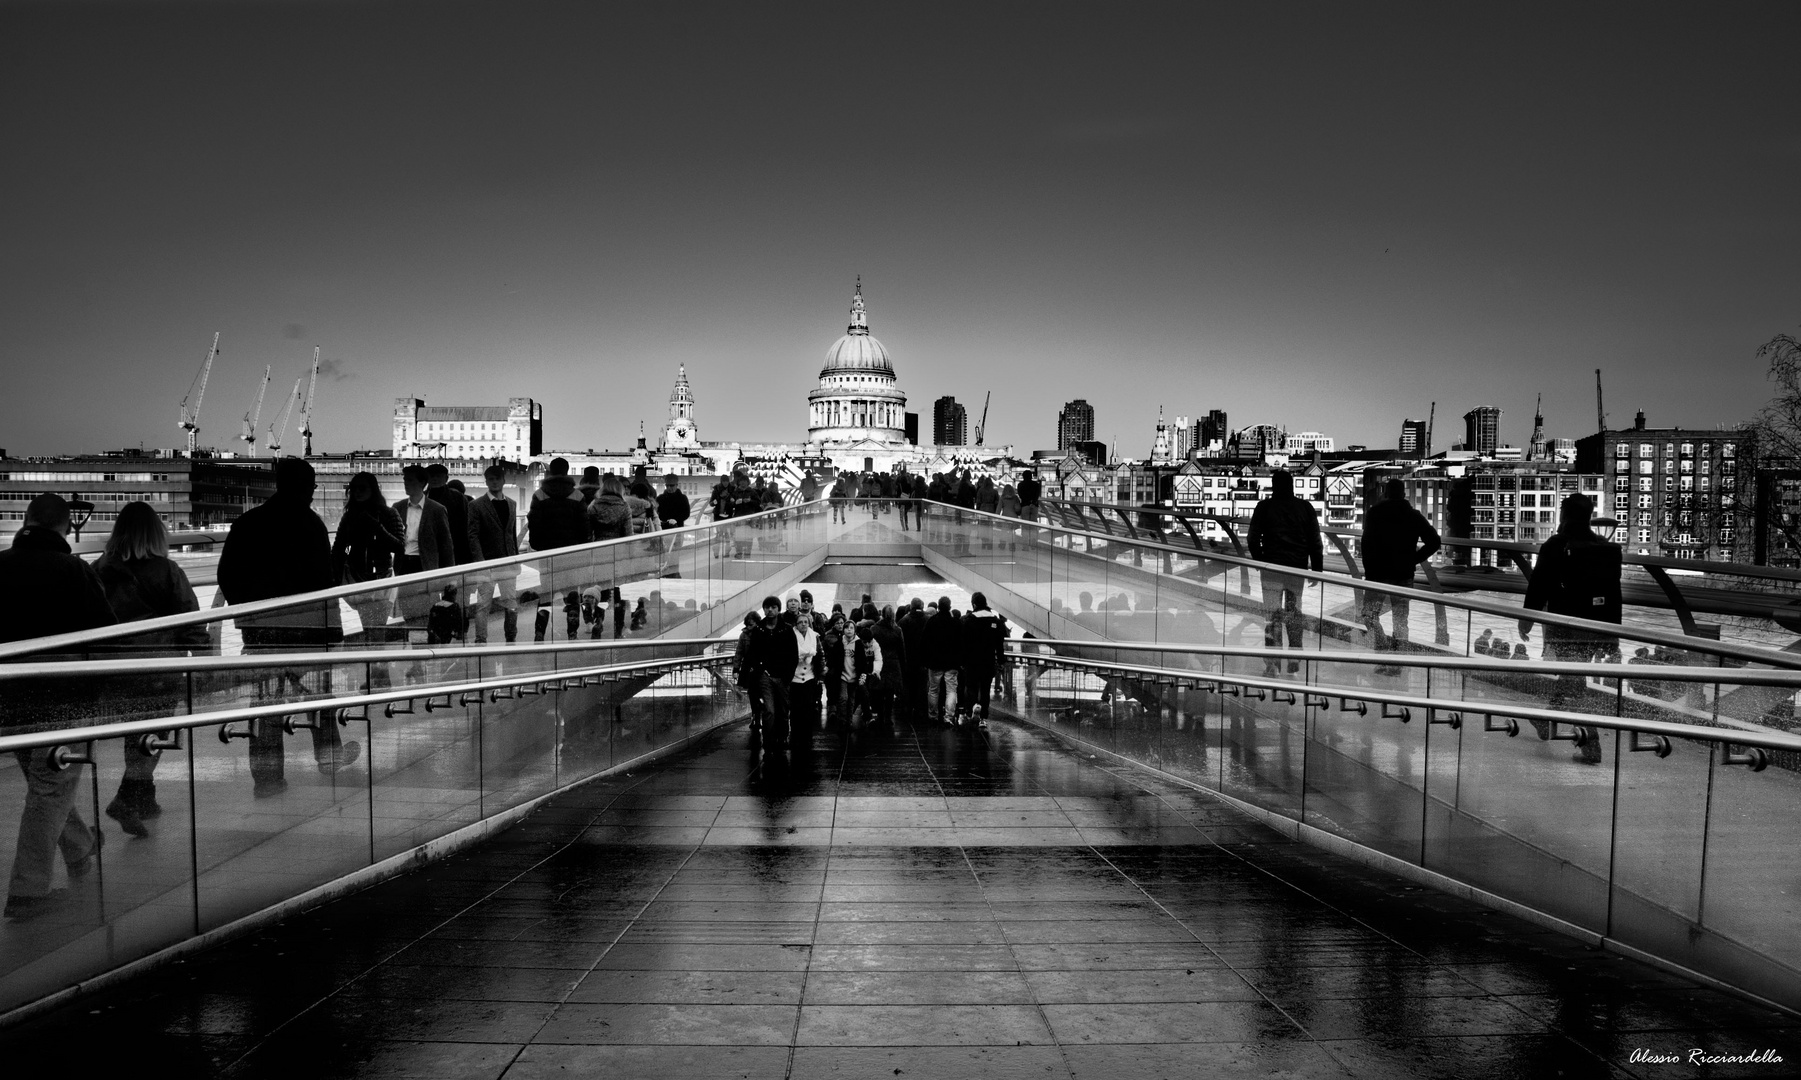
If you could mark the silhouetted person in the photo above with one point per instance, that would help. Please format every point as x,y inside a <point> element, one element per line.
<point>48,591</point>
<point>456,504</point>
<point>983,638</point>
<point>1396,540</point>
<point>281,549</point>
<point>1285,531</point>
<point>1577,573</point>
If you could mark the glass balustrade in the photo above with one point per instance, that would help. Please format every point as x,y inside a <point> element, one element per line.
<point>241,816</point>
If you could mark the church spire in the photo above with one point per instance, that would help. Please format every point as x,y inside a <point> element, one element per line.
<point>859,319</point>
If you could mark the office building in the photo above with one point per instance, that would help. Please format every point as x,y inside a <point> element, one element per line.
<point>1075,423</point>
<point>1482,430</point>
<point>950,422</point>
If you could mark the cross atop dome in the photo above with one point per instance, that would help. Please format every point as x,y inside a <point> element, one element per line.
<point>859,319</point>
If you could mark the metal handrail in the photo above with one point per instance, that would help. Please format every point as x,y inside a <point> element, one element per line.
<point>76,639</point>
<point>189,721</point>
<point>1748,653</point>
<point>153,665</point>
<point>1706,566</point>
<point>1736,676</point>
<point>1732,737</point>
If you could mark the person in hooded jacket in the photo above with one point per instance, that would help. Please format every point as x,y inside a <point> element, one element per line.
<point>983,639</point>
<point>556,519</point>
<point>142,582</point>
<point>888,637</point>
<point>609,516</point>
<point>988,499</point>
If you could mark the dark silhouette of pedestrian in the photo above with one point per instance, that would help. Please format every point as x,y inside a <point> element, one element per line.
<point>1284,531</point>
<point>1577,573</point>
<point>1396,540</point>
<point>48,591</point>
<point>281,549</point>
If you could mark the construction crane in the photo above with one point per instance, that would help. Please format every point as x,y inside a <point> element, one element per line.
<point>275,440</point>
<point>252,419</point>
<point>306,409</point>
<point>190,421</point>
<point>1600,413</point>
<point>982,424</point>
<point>1431,415</point>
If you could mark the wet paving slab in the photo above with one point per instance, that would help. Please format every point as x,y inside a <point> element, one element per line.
<point>894,901</point>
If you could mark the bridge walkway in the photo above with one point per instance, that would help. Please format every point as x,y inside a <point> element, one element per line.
<point>896,901</point>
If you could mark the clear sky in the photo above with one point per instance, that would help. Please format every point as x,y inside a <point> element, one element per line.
<point>1325,216</point>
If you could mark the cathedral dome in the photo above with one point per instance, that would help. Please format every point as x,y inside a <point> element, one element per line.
<point>856,350</point>
<point>857,399</point>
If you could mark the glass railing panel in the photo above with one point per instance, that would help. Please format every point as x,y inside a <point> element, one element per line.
<point>425,760</point>
<point>1659,841</point>
<point>277,812</point>
<point>1366,773</point>
<point>1264,743</point>
<point>520,739</point>
<point>72,911</point>
<point>1749,901</point>
<point>1521,819</point>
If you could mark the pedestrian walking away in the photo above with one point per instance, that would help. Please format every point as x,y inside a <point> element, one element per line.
<point>1284,531</point>
<point>49,590</point>
<point>1577,573</point>
<point>142,582</point>
<point>281,549</point>
<point>1397,539</point>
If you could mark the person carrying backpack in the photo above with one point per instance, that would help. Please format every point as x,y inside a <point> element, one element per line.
<point>1577,573</point>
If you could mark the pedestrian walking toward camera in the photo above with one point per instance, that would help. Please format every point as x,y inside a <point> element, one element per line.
<point>281,549</point>
<point>49,590</point>
<point>942,646</point>
<point>983,642</point>
<point>1285,532</point>
<point>1397,539</point>
<point>744,671</point>
<point>497,522</point>
<point>142,582</point>
<point>1577,573</point>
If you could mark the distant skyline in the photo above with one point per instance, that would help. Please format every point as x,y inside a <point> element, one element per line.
<point>1315,215</point>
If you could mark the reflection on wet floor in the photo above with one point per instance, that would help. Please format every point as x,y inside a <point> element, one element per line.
<point>898,902</point>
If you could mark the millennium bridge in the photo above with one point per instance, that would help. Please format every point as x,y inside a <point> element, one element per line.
<point>1171,851</point>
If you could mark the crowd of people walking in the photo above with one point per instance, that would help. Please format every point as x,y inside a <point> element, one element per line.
<point>797,665</point>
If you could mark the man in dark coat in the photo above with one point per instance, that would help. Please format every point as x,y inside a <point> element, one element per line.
<point>912,627</point>
<point>462,535</point>
<point>1396,539</point>
<point>1030,490</point>
<point>941,644</point>
<point>48,591</point>
<point>281,549</point>
<point>496,519</point>
<point>773,655</point>
<point>984,638</point>
<point>1285,531</point>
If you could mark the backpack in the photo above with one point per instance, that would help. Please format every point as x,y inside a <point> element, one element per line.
<point>1590,581</point>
